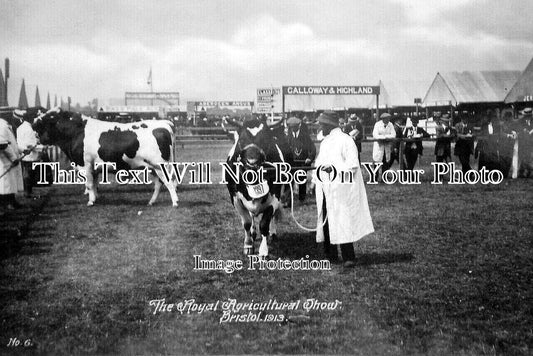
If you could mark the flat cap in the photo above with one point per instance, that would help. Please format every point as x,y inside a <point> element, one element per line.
<point>293,121</point>
<point>329,118</point>
<point>385,115</point>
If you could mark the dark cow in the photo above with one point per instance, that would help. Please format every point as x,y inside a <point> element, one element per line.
<point>256,148</point>
<point>87,141</point>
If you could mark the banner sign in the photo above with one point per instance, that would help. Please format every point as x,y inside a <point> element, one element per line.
<point>129,108</point>
<point>223,103</point>
<point>268,100</point>
<point>331,90</point>
<point>268,91</point>
<point>153,96</point>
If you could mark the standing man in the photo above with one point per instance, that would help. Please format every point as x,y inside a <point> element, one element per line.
<point>395,153</point>
<point>302,147</point>
<point>443,145</point>
<point>464,146</point>
<point>27,143</point>
<point>413,148</point>
<point>10,172</point>
<point>385,133</point>
<point>356,132</point>
<point>522,133</point>
<point>342,206</point>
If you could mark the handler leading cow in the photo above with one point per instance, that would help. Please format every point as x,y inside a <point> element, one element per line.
<point>87,141</point>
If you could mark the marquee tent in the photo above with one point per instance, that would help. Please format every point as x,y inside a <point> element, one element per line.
<point>522,91</point>
<point>456,88</point>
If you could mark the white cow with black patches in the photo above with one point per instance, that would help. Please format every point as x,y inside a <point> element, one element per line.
<point>87,141</point>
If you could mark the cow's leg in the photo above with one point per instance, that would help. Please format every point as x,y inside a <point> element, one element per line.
<point>157,188</point>
<point>253,231</point>
<point>276,216</point>
<point>171,186</point>
<point>247,222</point>
<point>90,185</point>
<point>264,228</point>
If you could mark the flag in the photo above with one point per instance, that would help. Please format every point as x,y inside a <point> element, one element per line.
<point>55,101</point>
<point>149,80</point>
<point>48,101</point>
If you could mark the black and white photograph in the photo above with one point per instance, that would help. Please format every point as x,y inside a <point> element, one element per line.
<point>248,177</point>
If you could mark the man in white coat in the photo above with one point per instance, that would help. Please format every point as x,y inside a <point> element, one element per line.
<point>383,131</point>
<point>10,172</point>
<point>342,202</point>
<point>28,144</point>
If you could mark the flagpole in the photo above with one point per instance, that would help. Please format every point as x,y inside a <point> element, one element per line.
<point>151,85</point>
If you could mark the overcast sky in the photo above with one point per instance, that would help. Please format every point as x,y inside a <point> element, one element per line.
<point>224,50</point>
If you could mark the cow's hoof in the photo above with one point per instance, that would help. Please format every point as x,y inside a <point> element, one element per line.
<point>91,203</point>
<point>150,203</point>
<point>175,205</point>
<point>248,250</point>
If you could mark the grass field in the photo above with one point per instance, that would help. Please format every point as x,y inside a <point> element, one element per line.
<point>447,272</point>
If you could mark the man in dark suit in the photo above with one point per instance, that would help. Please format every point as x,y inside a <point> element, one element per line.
<point>464,146</point>
<point>413,148</point>
<point>443,146</point>
<point>302,147</point>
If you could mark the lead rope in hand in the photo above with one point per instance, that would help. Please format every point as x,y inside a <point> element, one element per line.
<point>296,221</point>
<point>292,210</point>
<point>17,161</point>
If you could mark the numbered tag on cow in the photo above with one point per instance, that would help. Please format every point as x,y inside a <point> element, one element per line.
<point>257,191</point>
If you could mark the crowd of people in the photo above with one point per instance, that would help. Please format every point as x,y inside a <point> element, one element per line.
<point>343,213</point>
<point>19,148</point>
<point>502,144</point>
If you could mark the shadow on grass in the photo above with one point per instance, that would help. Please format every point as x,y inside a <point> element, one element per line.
<point>13,244</point>
<point>369,259</point>
<point>298,245</point>
<point>295,245</point>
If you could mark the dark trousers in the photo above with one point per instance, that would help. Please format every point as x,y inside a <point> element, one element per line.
<point>410,159</point>
<point>465,162</point>
<point>302,191</point>
<point>347,250</point>
<point>28,177</point>
<point>442,159</point>
<point>6,199</point>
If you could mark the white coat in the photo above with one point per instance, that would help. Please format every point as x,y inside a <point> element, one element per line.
<point>11,182</point>
<point>382,131</point>
<point>346,203</point>
<point>27,138</point>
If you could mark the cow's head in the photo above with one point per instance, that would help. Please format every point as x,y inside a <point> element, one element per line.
<point>256,144</point>
<point>57,125</point>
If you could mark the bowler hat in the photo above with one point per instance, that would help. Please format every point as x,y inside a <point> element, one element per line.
<point>328,118</point>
